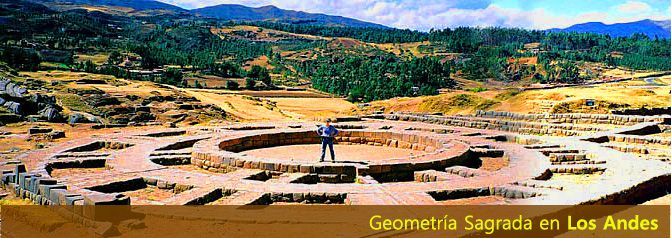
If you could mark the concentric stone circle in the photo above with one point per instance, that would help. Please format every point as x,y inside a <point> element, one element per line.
<point>220,153</point>
<point>209,165</point>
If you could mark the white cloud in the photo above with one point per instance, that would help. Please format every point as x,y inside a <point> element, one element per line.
<point>634,7</point>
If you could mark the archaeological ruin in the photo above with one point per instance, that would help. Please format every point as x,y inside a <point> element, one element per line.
<point>382,159</point>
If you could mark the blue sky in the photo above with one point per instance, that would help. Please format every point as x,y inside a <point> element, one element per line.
<point>427,14</point>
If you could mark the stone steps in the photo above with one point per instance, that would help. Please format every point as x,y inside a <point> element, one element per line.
<point>548,152</point>
<point>516,191</point>
<point>563,157</point>
<point>573,117</point>
<point>501,125</point>
<point>542,146</point>
<point>538,184</point>
<point>491,153</point>
<point>577,169</point>
<point>434,176</point>
<point>628,148</point>
<point>579,162</point>
<point>465,172</point>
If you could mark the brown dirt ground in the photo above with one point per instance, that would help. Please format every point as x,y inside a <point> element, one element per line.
<point>149,194</point>
<point>494,164</point>
<point>311,153</point>
<point>56,173</point>
<point>20,140</point>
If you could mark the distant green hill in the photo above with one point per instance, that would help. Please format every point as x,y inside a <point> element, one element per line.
<point>140,5</point>
<point>240,12</point>
<point>652,29</point>
<point>230,12</point>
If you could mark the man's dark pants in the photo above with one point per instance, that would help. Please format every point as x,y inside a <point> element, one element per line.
<point>327,141</point>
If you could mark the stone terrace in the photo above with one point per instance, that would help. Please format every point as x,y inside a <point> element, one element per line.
<point>486,158</point>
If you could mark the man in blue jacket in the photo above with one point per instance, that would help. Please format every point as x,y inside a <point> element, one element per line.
<point>327,132</point>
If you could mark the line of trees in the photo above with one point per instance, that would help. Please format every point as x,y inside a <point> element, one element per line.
<point>364,79</point>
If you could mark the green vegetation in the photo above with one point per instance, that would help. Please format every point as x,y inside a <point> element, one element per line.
<point>364,79</point>
<point>456,103</point>
<point>20,58</point>
<point>250,83</point>
<point>477,89</point>
<point>75,103</point>
<point>261,74</point>
<point>507,94</point>
<point>165,47</point>
<point>232,85</point>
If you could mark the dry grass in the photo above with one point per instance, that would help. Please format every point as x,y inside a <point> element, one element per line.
<point>409,49</point>
<point>456,104</point>
<point>209,81</point>
<point>617,93</point>
<point>58,75</point>
<point>608,96</point>
<point>263,34</point>
<point>262,61</point>
<point>96,59</point>
<point>311,108</point>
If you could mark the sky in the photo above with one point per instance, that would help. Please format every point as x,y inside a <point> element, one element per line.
<point>426,14</point>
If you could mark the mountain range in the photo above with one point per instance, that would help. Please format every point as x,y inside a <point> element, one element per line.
<point>228,12</point>
<point>652,29</point>
<point>240,12</point>
<point>140,5</point>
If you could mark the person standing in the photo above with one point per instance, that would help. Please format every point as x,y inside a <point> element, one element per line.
<point>327,132</point>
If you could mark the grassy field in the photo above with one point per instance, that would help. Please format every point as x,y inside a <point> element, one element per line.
<point>627,94</point>
<point>208,81</point>
<point>273,105</point>
<point>97,58</point>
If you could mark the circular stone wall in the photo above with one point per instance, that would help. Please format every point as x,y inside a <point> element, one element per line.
<point>428,153</point>
<point>343,153</point>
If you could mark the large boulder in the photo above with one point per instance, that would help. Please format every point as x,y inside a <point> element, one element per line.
<point>13,107</point>
<point>142,117</point>
<point>98,100</point>
<point>79,118</point>
<point>14,90</point>
<point>43,100</point>
<point>3,85</point>
<point>51,114</point>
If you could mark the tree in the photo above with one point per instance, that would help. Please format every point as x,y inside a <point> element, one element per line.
<point>261,74</point>
<point>172,76</point>
<point>265,78</point>
<point>22,59</point>
<point>250,83</point>
<point>232,85</point>
<point>115,58</point>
